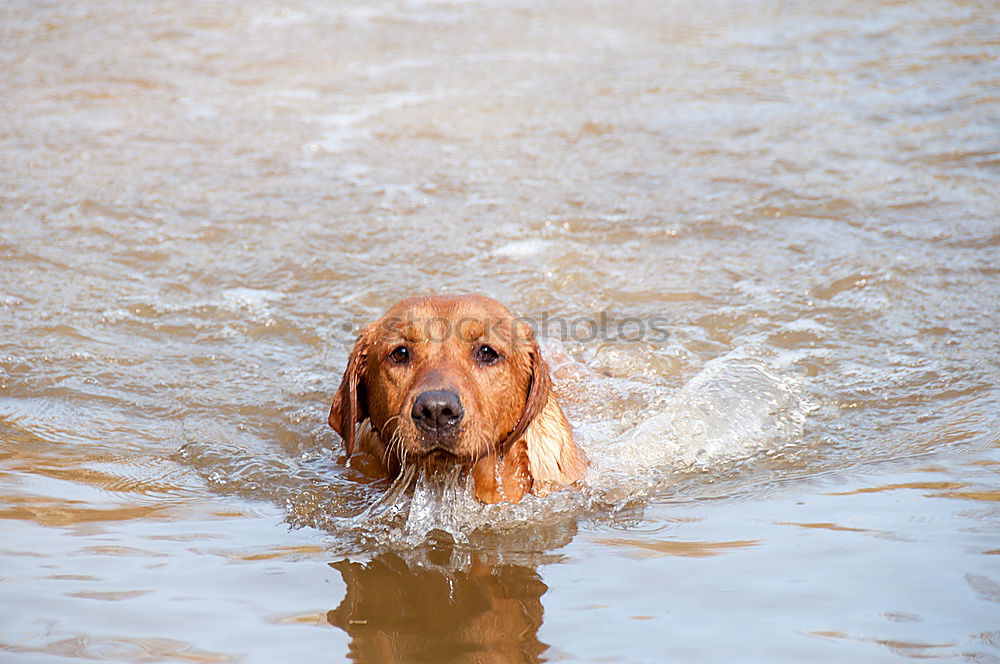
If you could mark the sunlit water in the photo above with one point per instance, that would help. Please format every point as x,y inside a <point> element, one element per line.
<point>202,204</point>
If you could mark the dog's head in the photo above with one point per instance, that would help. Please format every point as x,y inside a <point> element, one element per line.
<point>457,380</point>
<point>442,379</point>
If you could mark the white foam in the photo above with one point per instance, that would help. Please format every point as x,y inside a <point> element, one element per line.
<point>521,248</point>
<point>252,299</point>
<point>735,408</point>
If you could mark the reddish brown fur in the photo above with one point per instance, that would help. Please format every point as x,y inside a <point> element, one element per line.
<point>513,435</point>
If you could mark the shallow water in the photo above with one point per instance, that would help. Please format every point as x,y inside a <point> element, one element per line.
<point>202,204</point>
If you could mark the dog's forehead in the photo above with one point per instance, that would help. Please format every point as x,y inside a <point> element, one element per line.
<point>450,306</point>
<point>439,318</point>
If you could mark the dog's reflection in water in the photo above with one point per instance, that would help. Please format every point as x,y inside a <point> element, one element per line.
<point>396,612</point>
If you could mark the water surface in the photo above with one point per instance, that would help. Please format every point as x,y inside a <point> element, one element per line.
<point>200,205</point>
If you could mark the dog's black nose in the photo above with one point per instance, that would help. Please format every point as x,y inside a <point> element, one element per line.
<point>437,411</point>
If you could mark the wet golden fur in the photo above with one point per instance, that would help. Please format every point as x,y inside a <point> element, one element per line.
<point>513,435</point>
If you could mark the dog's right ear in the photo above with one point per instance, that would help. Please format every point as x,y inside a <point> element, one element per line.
<point>350,403</point>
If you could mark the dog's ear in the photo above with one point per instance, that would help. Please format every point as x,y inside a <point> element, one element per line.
<point>553,457</point>
<point>539,389</point>
<point>350,403</point>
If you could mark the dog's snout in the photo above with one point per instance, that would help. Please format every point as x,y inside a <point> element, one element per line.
<point>437,411</point>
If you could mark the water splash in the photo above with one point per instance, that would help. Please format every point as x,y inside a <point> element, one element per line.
<point>735,408</point>
<point>730,410</point>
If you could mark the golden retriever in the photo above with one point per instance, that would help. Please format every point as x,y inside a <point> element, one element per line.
<point>457,379</point>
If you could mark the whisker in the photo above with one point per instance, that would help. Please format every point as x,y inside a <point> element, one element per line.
<point>396,444</point>
<point>388,445</point>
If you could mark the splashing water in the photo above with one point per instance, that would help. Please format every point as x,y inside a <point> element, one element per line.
<point>732,409</point>
<point>735,408</point>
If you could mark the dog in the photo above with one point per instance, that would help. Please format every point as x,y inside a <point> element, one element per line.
<point>457,379</point>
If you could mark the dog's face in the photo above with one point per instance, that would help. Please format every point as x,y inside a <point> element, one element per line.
<point>457,380</point>
<point>442,379</point>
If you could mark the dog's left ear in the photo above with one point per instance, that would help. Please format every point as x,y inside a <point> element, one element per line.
<point>350,403</point>
<point>540,388</point>
<point>554,459</point>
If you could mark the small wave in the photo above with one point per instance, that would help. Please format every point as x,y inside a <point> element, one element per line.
<point>729,411</point>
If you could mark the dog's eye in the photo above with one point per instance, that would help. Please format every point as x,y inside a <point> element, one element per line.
<point>400,355</point>
<point>486,355</point>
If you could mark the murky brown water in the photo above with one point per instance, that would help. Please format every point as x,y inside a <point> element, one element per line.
<point>201,203</point>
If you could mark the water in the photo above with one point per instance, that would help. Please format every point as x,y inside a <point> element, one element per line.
<point>202,204</point>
